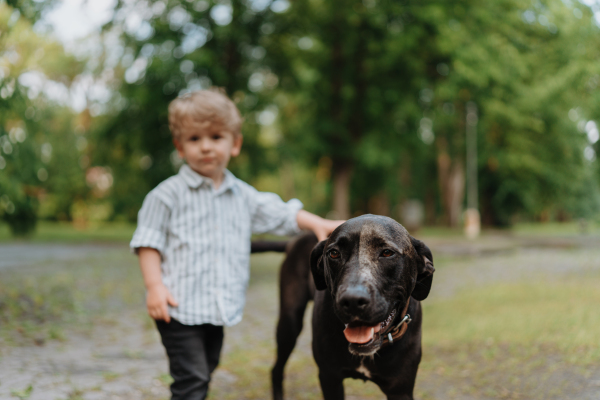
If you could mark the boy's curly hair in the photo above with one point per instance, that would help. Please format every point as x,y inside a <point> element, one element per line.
<point>211,108</point>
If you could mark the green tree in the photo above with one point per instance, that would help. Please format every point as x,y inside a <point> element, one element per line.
<point>28,62</point>
<point>525,75</point>
<point>382,86</point>
<point>176,47</point>
<point>373,92</point>
<point>351,70</point>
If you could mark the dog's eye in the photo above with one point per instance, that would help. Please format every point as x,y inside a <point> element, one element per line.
<point>387,253</point>
<point>334,254</point>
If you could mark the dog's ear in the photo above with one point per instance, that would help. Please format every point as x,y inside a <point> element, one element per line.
<point>317,266</point>
<point>425,270</point>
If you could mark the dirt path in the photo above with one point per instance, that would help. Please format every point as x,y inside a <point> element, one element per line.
<point>117,361</point>
<point>23,254</point>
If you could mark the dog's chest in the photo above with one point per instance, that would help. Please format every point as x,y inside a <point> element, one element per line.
<point>363,370</point>
<point>368,369</point>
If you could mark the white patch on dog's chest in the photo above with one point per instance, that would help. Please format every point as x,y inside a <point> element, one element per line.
<point>363,370</point>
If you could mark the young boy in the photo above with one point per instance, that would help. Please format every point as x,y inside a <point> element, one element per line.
<point>193,238</point>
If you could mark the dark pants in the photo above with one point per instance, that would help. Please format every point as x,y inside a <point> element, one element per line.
<point>193,352</point>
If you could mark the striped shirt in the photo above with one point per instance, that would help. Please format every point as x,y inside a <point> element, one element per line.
<point>203,236</point>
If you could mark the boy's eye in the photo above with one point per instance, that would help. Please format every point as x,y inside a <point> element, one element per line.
<point>194,138</point>
<point>216,136</point>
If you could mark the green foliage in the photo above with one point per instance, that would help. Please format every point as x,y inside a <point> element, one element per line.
<point>349,71</point>
<point>20,214</point>
<point>31,9</point>
<point>388,75</point>
<point>29,122</point>
<point>184,49</point>
<point>65,231</point>
<point>377,90</point>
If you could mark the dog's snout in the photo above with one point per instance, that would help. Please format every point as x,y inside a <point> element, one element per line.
<point>355,300</point>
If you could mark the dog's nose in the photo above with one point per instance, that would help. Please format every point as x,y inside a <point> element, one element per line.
<point>355,300</point>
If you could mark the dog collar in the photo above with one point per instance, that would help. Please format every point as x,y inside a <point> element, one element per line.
<point>400,329</point>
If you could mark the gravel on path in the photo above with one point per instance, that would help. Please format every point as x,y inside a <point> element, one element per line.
<point>22,254</point>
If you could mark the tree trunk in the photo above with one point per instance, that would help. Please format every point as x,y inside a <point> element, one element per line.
<point>342,169</point>
<point>379,205</point>
<point>342,173</point>
<point>231,54</point>
<point>456,193</point>
<point>452,185</point>
<point>286,175</point>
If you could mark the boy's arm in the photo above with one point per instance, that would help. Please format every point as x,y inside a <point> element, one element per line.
<point>158,295</point>
<point>320,226</point>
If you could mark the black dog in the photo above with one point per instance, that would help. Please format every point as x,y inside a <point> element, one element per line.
<point>370,276</point>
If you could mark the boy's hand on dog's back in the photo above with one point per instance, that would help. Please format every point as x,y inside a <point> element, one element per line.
<point>321,227</point>
<point>323,230</point>
<point>158,297</point>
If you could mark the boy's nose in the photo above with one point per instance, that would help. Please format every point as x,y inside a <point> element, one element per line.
<point>205,145</point>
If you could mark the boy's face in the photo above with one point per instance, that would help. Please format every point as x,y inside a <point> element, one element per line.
<point>207,151</point>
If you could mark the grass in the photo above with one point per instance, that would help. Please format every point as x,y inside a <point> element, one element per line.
<point>23,394</point>
<point>572,228</point>
<point>67,232</point>
<point>561,315</point>
<point>47,231</point>
<point>507,340</point>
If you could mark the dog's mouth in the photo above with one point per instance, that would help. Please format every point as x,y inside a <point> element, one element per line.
<point>361,335</point>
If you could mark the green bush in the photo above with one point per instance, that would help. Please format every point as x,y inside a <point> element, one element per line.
<point>23,219</point>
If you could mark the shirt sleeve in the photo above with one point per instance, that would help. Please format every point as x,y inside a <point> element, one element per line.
<point>152,225</point>
<point>270,214</point>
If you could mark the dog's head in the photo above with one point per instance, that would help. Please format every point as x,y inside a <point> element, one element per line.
<point>371,266</point>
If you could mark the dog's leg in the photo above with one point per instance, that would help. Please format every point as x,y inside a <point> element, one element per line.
<point>404,391</point>
<point>288,329</point>
<point>403,387</point>
<point>332,385</point>
<point>295,292</point>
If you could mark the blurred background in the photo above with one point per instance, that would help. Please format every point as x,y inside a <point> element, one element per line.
<point>439,114</point>
<point>352,106</point>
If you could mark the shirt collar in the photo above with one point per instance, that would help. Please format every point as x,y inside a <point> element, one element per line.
<point>194,180</point>
<point>229,181</point>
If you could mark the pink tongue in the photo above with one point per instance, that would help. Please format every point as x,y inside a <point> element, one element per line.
<point>360,334</point>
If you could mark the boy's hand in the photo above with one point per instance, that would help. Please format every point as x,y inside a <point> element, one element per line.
<point>156,301</point>
<point>320,226</point>
<point>324,229</point>
<point>158,296</point>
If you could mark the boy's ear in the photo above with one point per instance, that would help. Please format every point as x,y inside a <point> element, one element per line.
<point>179,147</point>
<point>425,270</point>
<point>237,145</point>
<point>317,265</point>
